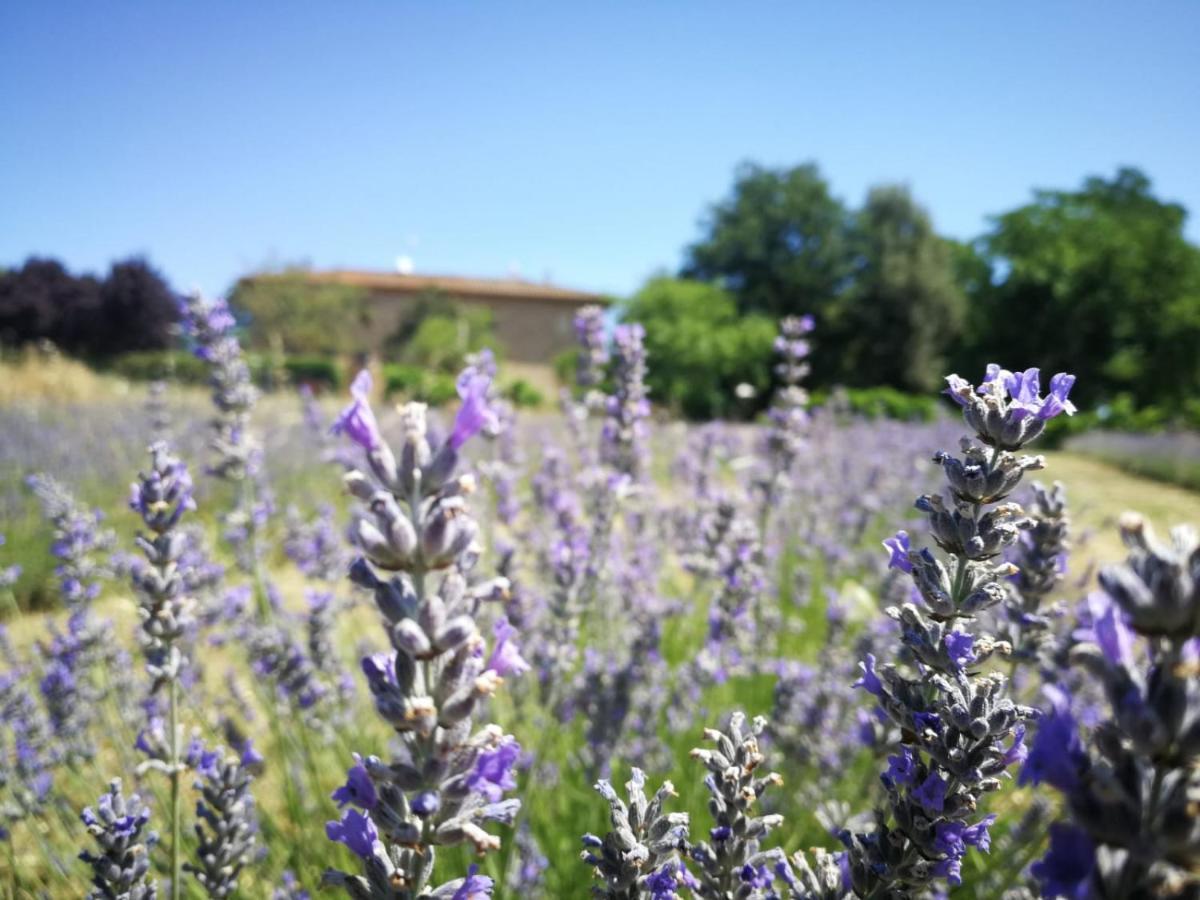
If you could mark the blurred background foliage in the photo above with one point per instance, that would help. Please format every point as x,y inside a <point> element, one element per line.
<point>292,313</point>
<point>439,334</point>
<point>1099,280</point>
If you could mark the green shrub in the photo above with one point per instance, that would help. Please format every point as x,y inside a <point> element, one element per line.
<point>416,383</point>
<point>700,349</point>
<point>523,394</point>
<point>183,367</point>
<point>152,365</point>
<point>883,403</point>
<point>565,365</point>
<point>314,370</point>
<point>1122,415</point>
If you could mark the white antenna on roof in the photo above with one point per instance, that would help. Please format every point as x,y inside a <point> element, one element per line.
<point>404,264</point>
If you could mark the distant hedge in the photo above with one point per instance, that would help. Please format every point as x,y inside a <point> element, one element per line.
<point>416,383</point>
<point>183,367</point>
<point>523,394</point>
<point>1122,415</point>
<point>882,402</point>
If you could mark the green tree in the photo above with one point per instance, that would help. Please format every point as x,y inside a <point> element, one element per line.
<point>1100,282</point>
<point>904,307</point>
<point>699,347</point>
<point>778,242</point>
<point>292,311</point>
<point>439,334</point>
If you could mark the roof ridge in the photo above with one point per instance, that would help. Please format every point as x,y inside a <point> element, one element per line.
<point>509,287</point>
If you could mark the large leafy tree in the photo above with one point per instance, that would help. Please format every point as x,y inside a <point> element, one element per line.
<point>1101,282</point>
<point>700,348</point>
<point>904,306</point>
<point>779,242</point>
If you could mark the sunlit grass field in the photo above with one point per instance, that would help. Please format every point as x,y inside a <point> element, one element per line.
<point>303,766</point>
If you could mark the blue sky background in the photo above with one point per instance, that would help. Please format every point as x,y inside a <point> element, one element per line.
<point>580,142</point>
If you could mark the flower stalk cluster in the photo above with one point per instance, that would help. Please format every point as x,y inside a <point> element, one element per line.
<point>447,779</point>
<point>121,870</point>
<point>959,730</point>
<point>1040,557</point>
<point>731,864</point>
<point>81,664</point>
<point>160,497</point>
<point>640,856</point>
<point>226,826</point>
<point>1132,793</point>
<point>211,326</point>
<point>593,352</point>
<point>623,434</point>
<point>788,414</point>
<point>80,542</point>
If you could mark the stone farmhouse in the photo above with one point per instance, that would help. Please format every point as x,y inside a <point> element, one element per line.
<point>532,320</point>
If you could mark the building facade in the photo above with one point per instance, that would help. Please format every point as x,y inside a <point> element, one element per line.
<point>533,321</point>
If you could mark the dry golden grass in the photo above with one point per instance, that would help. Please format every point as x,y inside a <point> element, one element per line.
<point>37,375</point>
<point>1098,493</point>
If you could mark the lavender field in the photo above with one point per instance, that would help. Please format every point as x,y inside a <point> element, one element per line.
<point>395,652</point>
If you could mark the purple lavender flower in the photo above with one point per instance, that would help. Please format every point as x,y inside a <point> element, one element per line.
<point>960,647</point>
<point>1130,793</point>
<point>227,824</point>
<point>1066,869</point>
<point>943,705</point>
<point>506,656</point>
<point>493,775</point>
<point>898,547</point>
<point>902,768</point>
<point>474,886</point>
<point>122,867</point>
<point>358,790</point>
<point>1056,756</point>
<point>357,421</point>
<point>476,412</point>
<point>418,545</point>
<point>357,832</point>
<point>931,793</point>
<point>640,854</point>
<point>870,680</point>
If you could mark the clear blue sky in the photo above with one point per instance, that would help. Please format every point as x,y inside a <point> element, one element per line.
<point>578,141</point>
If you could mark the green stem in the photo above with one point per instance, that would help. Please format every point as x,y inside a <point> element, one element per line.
<point>176,865</point>
<point>10,600</point>
<point>13,877</point>
<point>262,601</point>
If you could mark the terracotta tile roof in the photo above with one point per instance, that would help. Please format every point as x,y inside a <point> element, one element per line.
<point>453,285</point>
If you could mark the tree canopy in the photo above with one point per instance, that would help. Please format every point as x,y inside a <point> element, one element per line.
<point>779,242</point>
<point>133,308</point>
<point>1100,281</point>
<point>903,308</point>
<point>291,311</point>
<point>698,346</point>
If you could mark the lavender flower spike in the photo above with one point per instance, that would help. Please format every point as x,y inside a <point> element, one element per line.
<point>449,778</point>
<point>732,855</point>
<point>640,855</point>
<point>1131,793</point>
<point>959,729</point>
<point>227,826</point>
<point>121,870</point>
